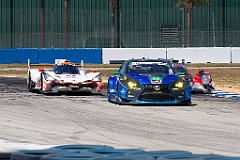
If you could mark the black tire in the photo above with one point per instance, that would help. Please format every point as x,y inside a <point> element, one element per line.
<point>108,92</point>
<point>79,147</point>
<point>41,80</point>
<point>187,102</point>
<point>5,155</point>
<point>30,83</point>
<point>30,154</point>
<point>72,155</point>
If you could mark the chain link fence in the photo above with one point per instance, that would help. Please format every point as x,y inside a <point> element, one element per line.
<point>137,24</point>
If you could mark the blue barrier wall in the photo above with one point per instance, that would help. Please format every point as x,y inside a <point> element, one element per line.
<point>88,55</point>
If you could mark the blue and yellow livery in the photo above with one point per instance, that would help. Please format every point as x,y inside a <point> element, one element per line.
<point>148,81</point>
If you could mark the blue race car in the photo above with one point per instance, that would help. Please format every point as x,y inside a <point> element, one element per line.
<point>148,81</point>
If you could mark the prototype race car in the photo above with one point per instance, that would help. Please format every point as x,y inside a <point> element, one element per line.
<point>148,81</point>
<point>65,76</point>
<point>202,82</point>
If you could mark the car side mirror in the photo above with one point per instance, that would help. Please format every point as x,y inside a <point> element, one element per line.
<point>116,73</point>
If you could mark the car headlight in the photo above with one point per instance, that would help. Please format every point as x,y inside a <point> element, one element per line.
<point>130,83</point>
<point>133,85</point>
<point>179,85</point>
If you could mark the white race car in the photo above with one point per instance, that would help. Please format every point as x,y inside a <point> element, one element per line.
<point>64,76</point>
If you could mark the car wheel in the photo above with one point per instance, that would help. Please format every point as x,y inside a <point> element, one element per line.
<point>30,83</point>
<point>187,102</point>
<point>119,99</point>
<point>108,92</point>
<point>41,81</point>
<point>30,154</point>
<point>5,155</point>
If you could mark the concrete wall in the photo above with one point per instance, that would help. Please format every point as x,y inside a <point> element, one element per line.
<point>8,56</point>
<point>200,55</point>
<point>98,56</point>
<point>235,55</point>
<point>128,53</point>
<point>191,55</point>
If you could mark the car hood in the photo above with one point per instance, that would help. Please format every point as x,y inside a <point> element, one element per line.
<point>68,77</point>
<point>155,79</point>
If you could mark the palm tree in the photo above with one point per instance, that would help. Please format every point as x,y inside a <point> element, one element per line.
<point>42,23</point>
<point>66,4</point>
<point>113,7</point>
<point>189,6</point>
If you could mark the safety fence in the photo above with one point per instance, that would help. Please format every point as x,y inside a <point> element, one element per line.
<point>133,24</point>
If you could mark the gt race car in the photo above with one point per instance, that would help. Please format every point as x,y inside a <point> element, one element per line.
<point>148,81</point>
<point>64,76</point>
<point>202,82</point>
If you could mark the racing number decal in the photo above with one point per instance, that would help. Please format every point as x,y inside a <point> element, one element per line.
<point>39,83</point>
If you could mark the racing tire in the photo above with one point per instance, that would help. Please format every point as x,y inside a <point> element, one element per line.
<point>128,157</point>
<point>108,92</point>
<point>30,154</point>
<point>5,155</point>
<point>41,80</point>
<point>80,147</point>
<point>30,83</point>
<point>186,102</point>
<point>72,155</point>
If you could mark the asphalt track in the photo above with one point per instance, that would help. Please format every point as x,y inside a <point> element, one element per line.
<point>210,125</point>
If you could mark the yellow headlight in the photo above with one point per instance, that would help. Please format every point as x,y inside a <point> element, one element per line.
<point>179,85</point>
<point>133,85</point>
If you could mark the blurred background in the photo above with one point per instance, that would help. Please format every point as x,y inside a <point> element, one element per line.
<point>117,24</point>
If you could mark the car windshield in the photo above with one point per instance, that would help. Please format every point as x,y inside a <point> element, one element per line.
<point>149,68</point>
<point>180,69</point>
<point>66,69</point>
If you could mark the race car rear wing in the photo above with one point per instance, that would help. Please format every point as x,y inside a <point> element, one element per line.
<point>57,61</point>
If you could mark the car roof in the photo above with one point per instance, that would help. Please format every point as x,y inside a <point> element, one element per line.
<point>149,60</point>
<point>178,65</point>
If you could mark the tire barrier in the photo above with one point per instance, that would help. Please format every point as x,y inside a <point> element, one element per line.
<point>157,154</point>
<point>116,152</point>
<point>196,157</point>
<point>30,154</point>
<point>80,147</point>
<point>102,152</point>
<point>5,155</point>
<point>73,155</point>
<point>129,157</point>
<point>222,94</point>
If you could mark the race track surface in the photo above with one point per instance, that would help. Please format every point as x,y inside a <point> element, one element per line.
<point>210,125</point>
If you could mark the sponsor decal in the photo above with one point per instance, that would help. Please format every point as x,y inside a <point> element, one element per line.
<point>156,80</point>
<point>157,88</point>
<point>123,91</point>
<point>86,82</point>
<point>158,63</point>
<point>39,83</point>
<point>62,87</point>
<point>112,90</point>
<point>74,86</point>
